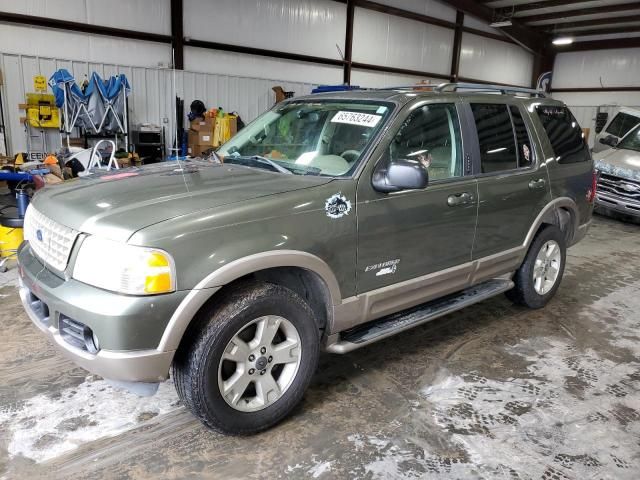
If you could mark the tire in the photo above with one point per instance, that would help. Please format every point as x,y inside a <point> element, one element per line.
<point>527,291</point>
<point>201,374</point>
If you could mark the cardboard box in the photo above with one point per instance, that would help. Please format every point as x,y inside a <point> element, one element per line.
<point>200,138</point>
<point>198,150</point>
<point>200,125</point>
<point>205,139</point>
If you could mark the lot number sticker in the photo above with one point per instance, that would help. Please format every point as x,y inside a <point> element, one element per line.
<point>356,118</point>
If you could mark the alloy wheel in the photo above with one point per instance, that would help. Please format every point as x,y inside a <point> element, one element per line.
<point>547,267</point>
<point>259,363</point>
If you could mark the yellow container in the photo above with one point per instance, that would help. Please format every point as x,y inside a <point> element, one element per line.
<point>10,240</point>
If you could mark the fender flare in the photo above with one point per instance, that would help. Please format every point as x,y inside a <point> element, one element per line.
<point>551,209</point>
<point>213,282</point>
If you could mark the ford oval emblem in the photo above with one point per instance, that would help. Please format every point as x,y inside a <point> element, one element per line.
<point>39,234</point>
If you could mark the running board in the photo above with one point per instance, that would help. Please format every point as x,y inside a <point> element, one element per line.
<point>375,330</point>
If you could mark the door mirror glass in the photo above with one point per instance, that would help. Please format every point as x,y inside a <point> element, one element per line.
<point>401,174</point>
<point>609,140</point>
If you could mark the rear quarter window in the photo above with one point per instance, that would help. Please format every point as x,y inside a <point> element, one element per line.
<point>565,135</point>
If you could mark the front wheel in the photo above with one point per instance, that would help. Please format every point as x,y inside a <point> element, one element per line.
<point>539,276</point>
<point>251,360</point>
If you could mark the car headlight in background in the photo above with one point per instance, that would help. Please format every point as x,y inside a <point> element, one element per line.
<point>124,268</point>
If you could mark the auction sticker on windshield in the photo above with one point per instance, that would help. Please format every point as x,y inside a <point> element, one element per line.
<point>356,118</point>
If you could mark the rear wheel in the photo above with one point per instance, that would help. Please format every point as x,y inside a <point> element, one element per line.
<point>539,276</point>
<point>249,359</point>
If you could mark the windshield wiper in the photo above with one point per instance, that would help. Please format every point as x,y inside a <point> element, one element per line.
<point>265,160</point>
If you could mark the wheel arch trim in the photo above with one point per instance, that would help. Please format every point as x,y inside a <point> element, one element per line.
<point>551,209</point>
<point>208,286</point>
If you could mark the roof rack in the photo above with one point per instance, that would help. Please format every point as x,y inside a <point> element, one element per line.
<point>504,89</point>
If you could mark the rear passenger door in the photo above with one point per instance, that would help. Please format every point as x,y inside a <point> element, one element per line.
<point>513,185</point>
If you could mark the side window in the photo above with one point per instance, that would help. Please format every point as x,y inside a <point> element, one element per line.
<point>496,138</point>
<point>525,150</point>
<point>431,135</point>
<point>565,135</point>
<point>621,124</point>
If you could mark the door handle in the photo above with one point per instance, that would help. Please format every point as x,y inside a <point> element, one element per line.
<point>535,184</point>
<point>457,199</point>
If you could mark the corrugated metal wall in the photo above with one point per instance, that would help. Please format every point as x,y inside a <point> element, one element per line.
<point>233,81</point>
<point>595,69</point>
<point>152,94</point>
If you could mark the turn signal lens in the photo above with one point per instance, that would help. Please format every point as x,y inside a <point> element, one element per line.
<point>159,283</point>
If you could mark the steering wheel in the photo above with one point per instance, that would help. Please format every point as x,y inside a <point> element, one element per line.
<point>350,155</point>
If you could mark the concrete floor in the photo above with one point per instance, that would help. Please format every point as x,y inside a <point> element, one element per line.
<point>493,391</point>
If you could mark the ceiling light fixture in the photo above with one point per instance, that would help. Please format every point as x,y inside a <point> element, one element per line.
<point>562,41</point>
<point>505,23</point>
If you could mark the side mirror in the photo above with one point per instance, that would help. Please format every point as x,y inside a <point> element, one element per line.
<point>609,140</point>
<point>401,174</point>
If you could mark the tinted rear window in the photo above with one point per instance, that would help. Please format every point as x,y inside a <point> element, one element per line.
<point>564,134</point>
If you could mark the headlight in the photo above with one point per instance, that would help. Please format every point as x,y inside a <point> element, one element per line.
<point>124,268</point>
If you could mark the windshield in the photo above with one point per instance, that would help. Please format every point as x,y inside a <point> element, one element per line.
<point>308,138</point>
<point>631,141</point>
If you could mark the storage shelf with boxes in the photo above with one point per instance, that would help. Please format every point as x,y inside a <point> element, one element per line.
<point>210,130</point>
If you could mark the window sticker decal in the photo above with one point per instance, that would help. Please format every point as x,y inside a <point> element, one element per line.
<point>337,206</point>
<point>356,118</point>
<point>527,153</point>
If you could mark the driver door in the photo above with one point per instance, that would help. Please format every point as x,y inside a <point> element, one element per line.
<point>408,234</point>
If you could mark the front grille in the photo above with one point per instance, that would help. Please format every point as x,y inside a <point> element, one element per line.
<point>618,187</point>
<point>50,241</point>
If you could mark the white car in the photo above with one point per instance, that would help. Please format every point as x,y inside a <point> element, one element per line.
<point>616,128</point>
<point>619,181</point>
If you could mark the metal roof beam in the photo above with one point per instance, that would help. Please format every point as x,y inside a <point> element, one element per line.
<point>580,12</point>
<point>528,38</point>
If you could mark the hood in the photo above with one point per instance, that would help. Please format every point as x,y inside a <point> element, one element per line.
<point>619,162</point>
<point>117,204</point>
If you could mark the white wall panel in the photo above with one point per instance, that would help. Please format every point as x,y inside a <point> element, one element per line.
<point>599,98</point>
<point>23,40</point>
<point>300,26</point>
<point>495,61</point>
<point>473,22</point>
<point>214,61</point>
<point>153,91</point>
<point>592,69</point>
<point>388,40</point>
<point>143,15</point>
<point>431,8</point>
<point>365,78</point>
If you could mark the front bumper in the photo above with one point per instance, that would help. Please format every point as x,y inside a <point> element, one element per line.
<point>609,202</point>
<point>128,328</point>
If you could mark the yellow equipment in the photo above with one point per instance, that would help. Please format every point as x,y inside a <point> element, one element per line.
<point>42,111</point>
<point>10,240</point>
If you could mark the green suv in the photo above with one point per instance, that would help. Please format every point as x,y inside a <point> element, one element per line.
<point>334,221</point>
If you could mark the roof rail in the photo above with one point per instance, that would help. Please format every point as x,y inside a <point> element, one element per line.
<point>504,89</point>
<point>413,88</point>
